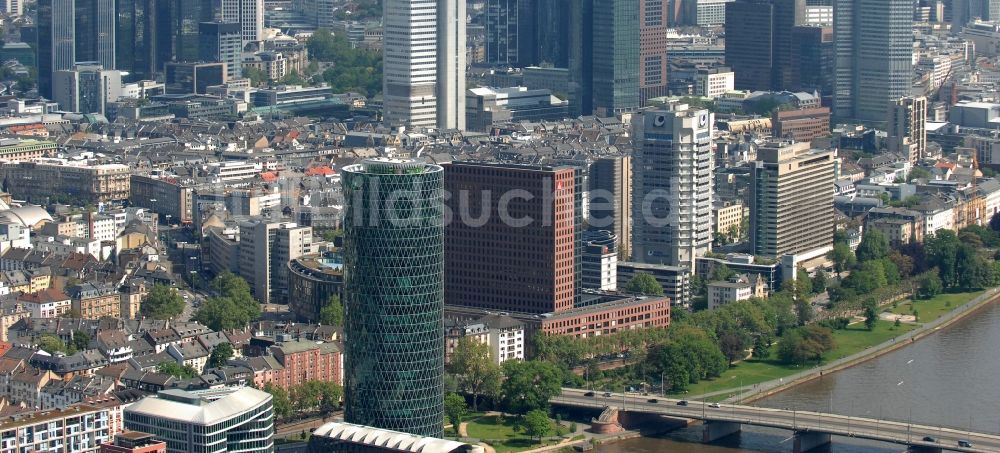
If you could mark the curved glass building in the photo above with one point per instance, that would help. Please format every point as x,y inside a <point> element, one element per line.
<point>394,295</point>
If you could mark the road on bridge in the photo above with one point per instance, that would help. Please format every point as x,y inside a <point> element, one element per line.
<point>839,425</point>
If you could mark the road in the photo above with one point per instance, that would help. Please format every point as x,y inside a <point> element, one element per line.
<point>840,425</point>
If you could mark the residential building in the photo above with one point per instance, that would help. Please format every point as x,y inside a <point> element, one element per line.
<point>86,184</point>
<point>759,47</point>
<point>222,42</point>
<point>306,360</point>
<point>600,261</point>
<point>249,14</point>
<point>734,290</point>
<point>534,265</point>
<point>908,127</point>
<point>610,199</point>
<point>410,63</point>
<point>48,303</point>
<point>874,57</point>
<point>486,106</point>
<point>78,428</point>
<point>791,200</point>
<point>900,226</point>
<point>312,281</point>
<point>93,300</point>
<point>135,442</point>
<point>190,354</point>
<point>503,335</point>
<point>20,150</point>
<point>264,252</point>
<point>801,125</point>
<point>56,34</point>
<point>86,88</point>
<point>673,185</point>
<point>616,57</point>
<point>393,371</point>
<point>217,420</point>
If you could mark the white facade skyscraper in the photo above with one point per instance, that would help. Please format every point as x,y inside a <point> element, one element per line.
<point>249,14</point>
<point>672,195</point>
<point>410,63</point>
<point>424,63</point>
<point>451,64</point>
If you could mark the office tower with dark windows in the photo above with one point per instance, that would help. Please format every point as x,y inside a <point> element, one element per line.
<point>451,49</point>
<point>394,295</point>
<point>791,203</point>
<point>137,41</point>
<point>581,56</point>
<point>873,63</point>
<point>552,38</point>
<point>186,17</point>
<point>56,46</point>
<point>96,24</point>
<point>610,201</point>
<point>527,220</point>
<point>759,46</point>
<point>188,78</point>
<point>814,57</point>
<point>222,42</point>
<point>410,63</point>
<point>616,56</point>
<point>672,196</point>
<point>502,34</point>
<point>652,49</point>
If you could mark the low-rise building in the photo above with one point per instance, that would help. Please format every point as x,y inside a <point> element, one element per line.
<point>80,428</point>
<point>81,182</point>
<point>504,335</point>
<point>95,300</point>
<point>735,289</point>
<point>135,442</point>
<point>48,303</point>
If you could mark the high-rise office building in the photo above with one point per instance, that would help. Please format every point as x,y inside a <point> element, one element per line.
<point>451,64</point>
<point>248,13</point>
<point>759,46</point>
<point>86,88</point>
<point>600,260</point>
<point>96,24</point>
<point>216,420</point>
<point>791,200</point>
<point>581,56</point>
<point>672,197</point>
<point>13,8</point>
<point>56,46</point>
<point>965,11</point>
<point>137,42</point>
<point>410,63</point>
<point>813,53</point>
<point>265,249</point>
<point>394,295</point>
<point>552,37</point>
<point>908,127</point>
<point>222,42</point>
<point>502,34</point>
<point>533,265</point>
<point>610,201</point>
<point>652,49</point>
<point>873,63</point>
<point>616,56</point>
<point>185,18</point>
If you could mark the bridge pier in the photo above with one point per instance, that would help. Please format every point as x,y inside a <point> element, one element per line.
<point>808,440</point>
<point>714,430</point>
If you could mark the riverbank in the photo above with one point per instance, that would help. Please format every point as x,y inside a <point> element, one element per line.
<point>751,393</point>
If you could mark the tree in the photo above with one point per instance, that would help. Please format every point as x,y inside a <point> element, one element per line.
<point>942,252</point>
<point>930,284</point>
<point>995,222</point>
<point>81,340</point>
<point>537,424</point>
<point>529,385</point>
<point>871,313</point>
<point>842,256</point>
<point>974,272</point>
<point>874,246</point>
<point>177,370</point>
<point>803,311</point>
<point>819,282</point>
<point>279,400</point>
<point>644,283</point>
<point>807,343</point>
<point>904,263</point>
<point>733,346</point>
<point>51,344</point>
<point>762,347</point>
<point>330,395</point>
<point>233,308</point>
<point>305,396</point>
<point>220,355</point>
<point>918,173</point>
<point>162,302</point>
<point>332,314</point>
<point>454,409</point>
<point>721,273</point>
<point>257,77</point>
<point>478,375</point>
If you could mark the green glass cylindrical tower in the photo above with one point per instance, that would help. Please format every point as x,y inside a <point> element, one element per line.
<point>394,295</point>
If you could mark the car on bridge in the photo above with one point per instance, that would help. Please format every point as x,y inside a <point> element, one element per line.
<point>929,439</point>
<point>591,394</point>
<point>682,403</point>
<point>653,400</point>
<point>964,444</point>
<point>714,405</point>
<point>607,394</point>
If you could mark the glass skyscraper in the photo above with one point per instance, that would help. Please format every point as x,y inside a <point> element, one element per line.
<point>394,296</point>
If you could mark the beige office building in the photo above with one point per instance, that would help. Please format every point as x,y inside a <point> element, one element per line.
<point>791,200</point>
<point>908,127</point>
<point>265,248</point>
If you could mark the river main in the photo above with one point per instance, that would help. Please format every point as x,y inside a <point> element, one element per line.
<point>948,378</point>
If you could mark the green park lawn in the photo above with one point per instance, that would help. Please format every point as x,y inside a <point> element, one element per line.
<point>931,309</point>
<point>499,433</point>
<point>848,341</point>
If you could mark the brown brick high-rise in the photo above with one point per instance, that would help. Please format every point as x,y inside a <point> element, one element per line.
<point>496,265</point>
